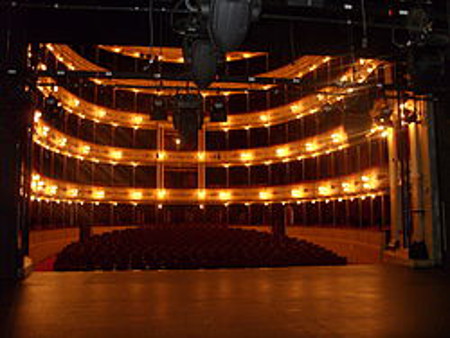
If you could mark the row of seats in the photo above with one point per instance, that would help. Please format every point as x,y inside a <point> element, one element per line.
<point>190,247</point>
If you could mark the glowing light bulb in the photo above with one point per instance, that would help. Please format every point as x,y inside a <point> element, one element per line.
<point>51,190</point>
<point>201,156</point>
<point>137,119</point>
<point>337,138</point>
<point>161,194</point>
<point>72,192</point>
<point>296,193</point>
<point>264,195</point>
<point>37,116</point>
<point>201,194</point>
<point>264,118</point>
<point>385,133</point>
<point>116,154</point>
<point>98,194</point>
<point>45,130</point>
<point>136,195</point>
<point>62,142</point>
<point>85,150</point>
<point>224,195</point>
<point>310,146</point>
<point>324,190</point>
<point>246,156</point>
<point>281,152</point>
<point>295,108</point>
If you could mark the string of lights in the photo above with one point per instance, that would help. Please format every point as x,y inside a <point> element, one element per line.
<point>367,184</point>
<point>327,143</point>
<point>170,54</point>
<point>306,106</point>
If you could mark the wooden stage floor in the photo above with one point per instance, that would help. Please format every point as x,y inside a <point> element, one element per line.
<point>350,301</point>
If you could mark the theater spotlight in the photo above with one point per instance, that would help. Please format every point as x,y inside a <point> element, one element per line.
<point>384,117</point>
<point>426,63</point>
<point>188,118</point>
<point>203,62</point>
<point>159,112</point>
<point>229,21</point>
<point>218,112</point>
<point>51,101</point>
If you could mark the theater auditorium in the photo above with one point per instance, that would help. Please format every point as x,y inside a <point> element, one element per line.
<point>224,168</point>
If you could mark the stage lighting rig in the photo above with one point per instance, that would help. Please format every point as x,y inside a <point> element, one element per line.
<point>218,112</point>
<point>159,111</point>
<point>383,118</point>
<point>188,117</point>
<point>426,50</point>
<point>212,28</point>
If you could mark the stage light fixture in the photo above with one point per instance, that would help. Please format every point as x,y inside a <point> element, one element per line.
<point>229,21</point>
<point>204,59</point>
<point>51,101</point>
<point>159,112</point>
<point>188,118</point>
<point>218,112</point>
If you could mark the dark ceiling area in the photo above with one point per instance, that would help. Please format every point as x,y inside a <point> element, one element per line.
<point>289,27</point>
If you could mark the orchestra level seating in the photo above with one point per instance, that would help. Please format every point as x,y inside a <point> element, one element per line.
<point>190,247</point>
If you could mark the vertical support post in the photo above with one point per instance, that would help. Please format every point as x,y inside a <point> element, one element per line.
<point>160,169</point>
<point>395,191</point>
<point>416,164</point>
<point>429,185</point>
<point>15,148</point>
<point>201,174</point>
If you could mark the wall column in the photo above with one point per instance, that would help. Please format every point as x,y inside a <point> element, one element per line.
<point>15,149</point>
<point>430,228</point>
<point>160,170</point>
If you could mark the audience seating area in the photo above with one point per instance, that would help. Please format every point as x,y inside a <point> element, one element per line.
<point>187,247</point>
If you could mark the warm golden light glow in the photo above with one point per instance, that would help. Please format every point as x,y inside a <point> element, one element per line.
<point>85,150</point>
<point>201,194</point>
<point>347,187</point>
<point>264,195</point>
<point>51,189</point>
<point>246,156</point>
<point>311,146</point>
<point>62,142</point>
<point>297,193</point>
<point>282,152</point>
<point>224,195</point>
<point>337,138</point>
<point>116,154</point>
<point>295,108</point>
<point>201,156</point>
<point>72,193</point>
<point>161,193</point>
<point>137,119</point>
<point>37,116</point>
<point>136,195</point>
<point>98,194</point>
<point>325,190</point>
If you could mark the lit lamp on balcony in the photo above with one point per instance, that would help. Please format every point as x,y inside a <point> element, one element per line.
<point>136,195</point>
<point>98,194</point>
<point>265,195</point>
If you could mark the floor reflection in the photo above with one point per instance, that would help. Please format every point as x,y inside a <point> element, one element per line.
<point>375,301</point>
